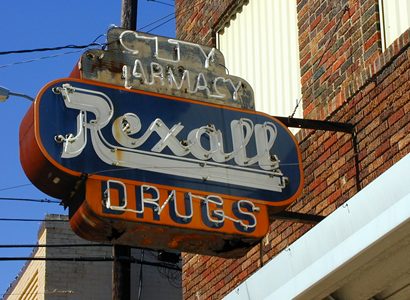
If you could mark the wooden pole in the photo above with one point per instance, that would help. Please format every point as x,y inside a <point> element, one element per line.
<point>121,288</point>
<point>121,270</point>
<point>129,14</point>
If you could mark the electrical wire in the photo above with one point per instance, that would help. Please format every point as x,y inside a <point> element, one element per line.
<point>93,259</point>
<point>333,34</point>
<point>174,17</point>
<point>15,187</point>
<point>37,293</point>
<point>39,58</point>
<point>173,277</point>
<point>296,107</point>
<point>156,21</point>
<point>29,220</point>
<point>73,259</point>
<point>50,48</point>
<point>143,250</point>
<point>73,46</point>
<point>161,24</point>
<point>5,246</point>
<point>140,277</point>
<point>54,292</point>
<point>161,2</point>
<point>30,200</point>
<point>160,265</point>
<point>179,14</point>
<point>52,245</point>
<point>82,47</point>
<point>182,12</point>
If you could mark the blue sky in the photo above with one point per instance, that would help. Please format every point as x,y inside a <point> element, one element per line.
<point>38,24</point>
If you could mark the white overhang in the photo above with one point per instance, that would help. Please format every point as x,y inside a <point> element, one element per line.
<point>360,251</point>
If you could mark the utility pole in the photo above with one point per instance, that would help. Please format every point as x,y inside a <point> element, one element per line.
<point>121,273</point>
<point>129,14</point>
<point>121,270</point>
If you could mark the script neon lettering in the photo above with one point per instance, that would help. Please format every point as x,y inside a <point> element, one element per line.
<point>199,155</point>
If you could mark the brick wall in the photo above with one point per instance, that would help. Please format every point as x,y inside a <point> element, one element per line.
<point>337,40</point>
<point>345,78</point>
<point>81,280</point>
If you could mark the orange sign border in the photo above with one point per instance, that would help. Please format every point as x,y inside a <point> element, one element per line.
<point>72,173</point>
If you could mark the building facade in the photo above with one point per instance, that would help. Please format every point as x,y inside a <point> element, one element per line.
<point>352,67</point>
<point>56,279</point>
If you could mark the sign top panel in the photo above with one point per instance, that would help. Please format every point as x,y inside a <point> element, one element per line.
<point>168,66</point>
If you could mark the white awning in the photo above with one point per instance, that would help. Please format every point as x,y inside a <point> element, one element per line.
<point>360,251</point>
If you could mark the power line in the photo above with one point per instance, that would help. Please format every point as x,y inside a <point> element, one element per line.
<point>15,187</point>
<point>333,34</point>
<point>38,59</point>
<point>161,24</point>
<point>70,246</point>
<point>140,277</point>
<point>173,277</point>
<point>149,250</point>
<point>156,21</point>
<point>182,12</point>
<point>54,292</point>
<point>29,220</point>
<point>73,259</point>
<point>161,2</point>
<point>49,49</point>
<point>53,245</point>
<point>93,43</point>
<point>30,200</point>
<point>93,259</point>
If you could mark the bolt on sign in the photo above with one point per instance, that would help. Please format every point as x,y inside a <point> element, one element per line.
<point>148,169</point>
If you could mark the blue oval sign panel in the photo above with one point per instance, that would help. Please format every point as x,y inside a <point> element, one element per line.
<point>97,129</point>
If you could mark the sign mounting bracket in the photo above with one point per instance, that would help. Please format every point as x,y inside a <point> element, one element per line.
<point>326,126</point>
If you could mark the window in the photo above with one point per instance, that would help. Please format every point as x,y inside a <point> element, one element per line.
<point>260,44</point>
<point>395,19</point>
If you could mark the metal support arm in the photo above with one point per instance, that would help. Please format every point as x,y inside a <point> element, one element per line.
<point>318,125</point>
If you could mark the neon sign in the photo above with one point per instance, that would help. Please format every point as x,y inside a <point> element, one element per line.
<point>167,66</point>
<point>204,169</point>
<point>139,161</point>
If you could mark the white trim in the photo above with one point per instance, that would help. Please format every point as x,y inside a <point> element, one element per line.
<point>382,25</point>
<point>364,227</point>
<point>394,20</point>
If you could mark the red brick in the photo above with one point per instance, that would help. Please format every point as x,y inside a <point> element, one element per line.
<point>315,22</point>
<point>395,117</point>
<point>307,76</point>
<point>332,140</point>
<point>338,63</point>
<point>329,26</point>
<point>374,39</point>
<point>382,148</point>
